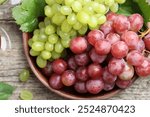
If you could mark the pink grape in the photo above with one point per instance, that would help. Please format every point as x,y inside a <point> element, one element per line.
<point>109,87</point>
<point>147,41</point>
<point>80,87</point>
<point>123,83</point>
<point>111,16</point>
<point>140,46</point>
<point>113,37</point>
<point>82,74</point>
<point>72,64</point>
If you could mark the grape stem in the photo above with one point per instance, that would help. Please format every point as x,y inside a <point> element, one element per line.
<point>143,34</point>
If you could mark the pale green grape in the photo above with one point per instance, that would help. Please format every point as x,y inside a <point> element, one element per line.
<point>101,9</point>
<point>71,19</point>
<point>41,25</point>
<point>47,21</point>
<point>93,21</point>
<point>66,10</point>
<point>65,43</point>
<point>26,95</point>
<point>101,19</point>
<point>36,31</point>
<point>45,54</point>
<point>83,17</point>
<point>88,9</point>
<point>76,6</point>
<point>41,62</point>
<point>58,18</point>
<point>64,35</point>
<point>86,2</point>
<point>59,47</point>
<point>93,28</point>
<point>68,2</point>
<point>59,1</point>
<point>30,42</point>
<point>50,29</point>
<point>73,33</point>
<point>42,30</point>
<point>48,11</point>
<point>56,8</point>
<point>55,55</point>
<point>58,31</point>
<point>24,75</point>
<point>100,1</point>
<point>42,37</point>
<point>120,1</point>
<point>83,30</point>
<point>49,46</point>
<point>35,37</point>
<point>38,46</point>
<point>109,2</point>
<point>114,7</point>
<point>53,38</point>
<point>77,25</point>
<point>65,27</point>
<point>34,53</point>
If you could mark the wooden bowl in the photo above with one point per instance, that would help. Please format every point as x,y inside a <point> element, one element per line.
<point>66,92</point>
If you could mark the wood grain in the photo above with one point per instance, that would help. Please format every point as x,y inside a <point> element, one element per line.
<point>13,61</point>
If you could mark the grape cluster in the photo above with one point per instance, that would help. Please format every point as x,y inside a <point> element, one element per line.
<point>104,58</point>
<point>66,19</point>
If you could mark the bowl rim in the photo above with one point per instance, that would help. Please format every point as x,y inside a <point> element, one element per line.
<point>43,80</point>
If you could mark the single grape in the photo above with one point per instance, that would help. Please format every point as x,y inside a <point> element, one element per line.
<point>59,47</point>
<point>56,8</point>
<point>42,37</point>
<point>47,70</point>
<point>113,38</point>
<point>50,29</point>
<point>26,95</point>
<point>38,46</point>
<point>116,66</point>
<point>114,7</point>
<point>135,58</point>
<point>49,46</point>
<point>101,19</point>
<point>83,17</point>
<point>76,6</point>
<point>92,21</point>
<point>58,18</point>
<point>45,54</point>
<point>48,11</point>
<point>119,49</point>
<point>53,38</point>
<point>55,55</point>
<point>141,45</point>
<point>96,58</point>
<point>109,87</point>
<point>65,27</point>
<point>78,45</point>
<point>41,25</point>
<point>94,36</point>
<point>147,41</point>
<point>83,30</point>
<point>55,81</point>
<point>102,47</point>
<point>82,74</point>
<point>34,53</point>
<point>95,70</point>
<point>50,2</point>
<point>77,25</point>
<point>47,21</point>
<point>68,78</point>
<point>109,2</point>
<point>24,75</point>
<point>94,86</point>
<point>120,1</point>
<point>41,62</point>
<point>59,66</point>
<point>82,59</point>
<point>88,9</point>
<point>111,16</point>
<point>65,43</point>
<point>136,21</point>
<point>72,64</point>
<point>123,84</point>
<point>68,2</point>
<point>71,19</point>
<point>108,77</point>
<point>80,87</point>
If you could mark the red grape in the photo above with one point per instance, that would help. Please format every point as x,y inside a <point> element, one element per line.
<point>136,22</point>
<point>59,66</point>
<point>82,74</point>
<point>55,81</point>
<point>111,16</point>
<point>119,49</point>
<point>131,39</point>
<point>108,87</point>
<point>121,24</point>
<point>68,78</point>
<point>102,47</point>
<point>108,77</point>
<point>127,73</point>
<point>82,59</point>
<point>94,36</point>
<point>94,86</point>
<point>135,58</point>
<point>95,70</point>
<point>78,45</point>
<point>147,41</point>
<point>123,83</point>
<point>140,46</point>
<point>72,64</point>
<point>80,87</point>
<point>116,66</point>
<point>113,37</point>
<point>47,71</point>
<point>96,58</point>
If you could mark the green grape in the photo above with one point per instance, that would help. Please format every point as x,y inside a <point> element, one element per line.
<point>41,25</point>
<point>76,6</point>
<point>26,95</point>
<point>45,54</point>
<point>101,19</point>
<point>65,43</point>
<point>59,47</point>
<point>56,8</point>
<point>50,2</point>
<point>107,9</point>
<point>88,9</point>
<point>109,2</point>
<point>65,27</point>
<point>34,53</point>
<point>55,55</point>
<point>50,29</point>
<point>58,30</point>
<point>93,21</point>
<point>114,7</point>
<point>47,21</point>
<point>38,46</point>
<point>35,37</point>
<point>120,1</point>
<point>86,2</point>
<point>100,1</point>
<point>49,46</point>
<point>58,18</point>
<point>59,1</point>
<point>71,19</point>
<point>36,31</point>
<point>24,75</point>
<point>73,33</point>
<point>101,9</point>
<point>64,35</point>
<point>83,30</point>
<point>41,62</point>
<point>93,28</point>
<point>42,30</point>
<point>68,2</point>
<point>53,38</point>
<point>66,10</point>
<point>42,37</point>
<point>30,42</point>
<point>77,25</point>
<point>83,17</point>
<point>48,11</point>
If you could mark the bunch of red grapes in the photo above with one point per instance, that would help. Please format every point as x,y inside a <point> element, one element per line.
<point>104,58</point>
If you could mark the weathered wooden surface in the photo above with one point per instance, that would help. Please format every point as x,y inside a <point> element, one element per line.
<point>13,61</point>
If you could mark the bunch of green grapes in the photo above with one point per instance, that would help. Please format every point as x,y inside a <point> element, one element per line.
<point>66,19</point>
